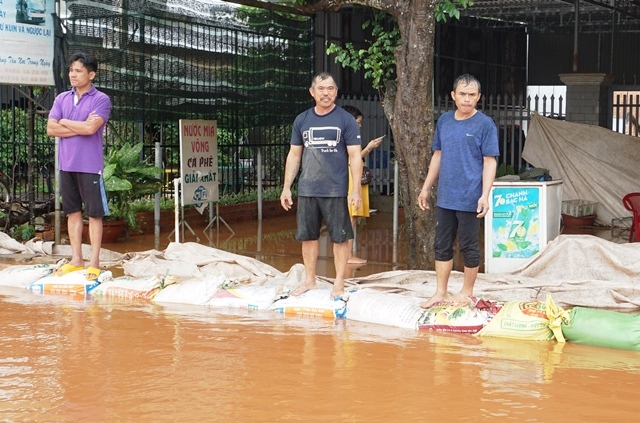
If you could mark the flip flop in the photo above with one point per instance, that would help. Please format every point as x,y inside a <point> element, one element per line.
<point>92,273</point>
<point>67,268</point>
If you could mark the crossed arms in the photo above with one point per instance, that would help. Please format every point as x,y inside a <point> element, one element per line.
<point>65,128</point>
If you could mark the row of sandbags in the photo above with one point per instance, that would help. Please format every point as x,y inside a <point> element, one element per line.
<point>529,320</point>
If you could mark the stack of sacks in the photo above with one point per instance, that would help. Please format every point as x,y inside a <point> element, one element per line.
<point>197,291</point>
<point>367,305</point>
<point>531,320</point>
<point>463,317</point>
<point>23,276</point>
<point>73,284</point>
<point>312,303</point>
<point>131,288</point>
<point>602,328</point>
<point>248,297</point>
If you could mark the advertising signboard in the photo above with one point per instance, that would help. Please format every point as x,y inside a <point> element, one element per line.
<point>26,36</point>
<point>515,228</point>
<point>199,161</point>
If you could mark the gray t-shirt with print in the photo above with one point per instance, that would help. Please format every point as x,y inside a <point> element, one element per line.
<point>324,167</point>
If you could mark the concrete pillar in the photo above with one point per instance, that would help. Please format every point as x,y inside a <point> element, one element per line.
<point>587,97</point>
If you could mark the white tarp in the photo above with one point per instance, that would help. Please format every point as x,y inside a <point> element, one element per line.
<point>37,247</point>
<point>577,270</point>
<point>595,163</point>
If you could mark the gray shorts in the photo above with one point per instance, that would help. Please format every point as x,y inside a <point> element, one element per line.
<point>334,211</point>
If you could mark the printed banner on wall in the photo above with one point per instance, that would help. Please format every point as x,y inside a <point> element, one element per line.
<point>199,161</point>
<point>516,221</point>
<point>26,37</point>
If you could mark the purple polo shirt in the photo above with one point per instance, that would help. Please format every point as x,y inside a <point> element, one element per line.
<point>81,153</point>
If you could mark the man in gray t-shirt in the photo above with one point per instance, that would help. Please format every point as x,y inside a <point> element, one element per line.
<point>323,141</point>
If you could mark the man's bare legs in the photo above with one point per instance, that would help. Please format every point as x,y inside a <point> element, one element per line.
<point>310,259</point>
<point>95,237</point>
<point>470,275</point>
<point>74,226</point>
<point>354,259</point>
<point>443,271</point>
<point>341,253</point>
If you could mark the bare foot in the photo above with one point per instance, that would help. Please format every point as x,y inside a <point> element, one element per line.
<point>337,294</point>
<point>356,260</point>
<point>459,298</point>
<point>433,300</point>
<point>302,289</point>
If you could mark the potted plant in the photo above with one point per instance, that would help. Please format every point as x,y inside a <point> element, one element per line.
<point>126,179</point>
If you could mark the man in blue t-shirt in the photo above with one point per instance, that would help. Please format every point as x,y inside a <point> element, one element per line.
<point>464,162</point>
<point>78,118</point>
<point>323,140</point>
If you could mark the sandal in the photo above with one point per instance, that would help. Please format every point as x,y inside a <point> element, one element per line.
<point>67,268</point>
<point>92,273</point>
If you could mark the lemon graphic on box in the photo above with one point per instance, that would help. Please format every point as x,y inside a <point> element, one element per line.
<point>533,229</point>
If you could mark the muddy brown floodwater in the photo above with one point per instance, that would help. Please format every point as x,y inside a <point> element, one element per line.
<point>99,361</point>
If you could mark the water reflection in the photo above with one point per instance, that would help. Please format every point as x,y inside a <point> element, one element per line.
<point>273,242</point>
<point>99,361</point>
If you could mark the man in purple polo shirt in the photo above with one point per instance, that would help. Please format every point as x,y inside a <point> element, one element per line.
<point>78,118</point>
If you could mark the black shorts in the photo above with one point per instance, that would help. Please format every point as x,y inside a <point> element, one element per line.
<point>79,188</point>
<point>334,210</point>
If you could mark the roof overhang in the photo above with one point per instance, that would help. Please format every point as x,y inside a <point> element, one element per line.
<point>558,15</point>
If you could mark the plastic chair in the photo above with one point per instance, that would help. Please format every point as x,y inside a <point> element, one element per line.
<point>631,202</point>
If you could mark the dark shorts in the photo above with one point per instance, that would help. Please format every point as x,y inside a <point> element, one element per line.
<point>466,225</point>
<point>79,188</point>
<point>334,211</point>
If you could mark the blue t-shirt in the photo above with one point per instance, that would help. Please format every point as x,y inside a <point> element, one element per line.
<point>324,168</point>
<point>463,145</point>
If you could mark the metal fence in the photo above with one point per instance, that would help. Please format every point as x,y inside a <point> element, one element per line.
<point>625,110</point>
<point>375,124</point>
<point>238,172</point>
<point>237,161</point>
<point>26,152</point>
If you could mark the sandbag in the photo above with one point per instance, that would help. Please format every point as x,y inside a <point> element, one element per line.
<point>197,291</point>
<point>130,287</point>
<point>461,317</point>
<point>246,297</point>
<point>384,308</point>
<point>23,276</point>
<point>520,320</point>
<point>313,303</point>
<point>73,284</point>
<point>603,328</point>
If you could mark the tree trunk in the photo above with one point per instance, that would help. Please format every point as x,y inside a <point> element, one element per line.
<point>413,124</point>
